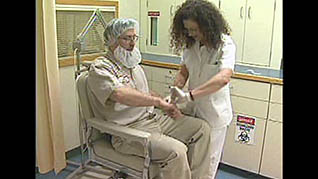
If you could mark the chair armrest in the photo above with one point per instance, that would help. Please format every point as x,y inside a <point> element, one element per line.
<point>118,130</point>
<point>127,133</point>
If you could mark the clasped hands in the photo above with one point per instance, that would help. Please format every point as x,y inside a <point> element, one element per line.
<point>169,102</point>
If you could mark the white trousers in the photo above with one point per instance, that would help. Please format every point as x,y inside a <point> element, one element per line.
<point>218,138</point>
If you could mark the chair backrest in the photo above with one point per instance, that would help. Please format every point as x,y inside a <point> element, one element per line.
<point>81,85</point>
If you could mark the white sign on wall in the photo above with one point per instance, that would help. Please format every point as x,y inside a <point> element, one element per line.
<point>245,129</point>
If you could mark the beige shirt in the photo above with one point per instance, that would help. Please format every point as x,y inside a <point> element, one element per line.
<point>104,76</point>
<point>202,64</point>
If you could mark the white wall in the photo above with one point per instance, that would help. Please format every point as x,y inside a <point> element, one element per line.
<point>129,8</point>
<point>69,108</point>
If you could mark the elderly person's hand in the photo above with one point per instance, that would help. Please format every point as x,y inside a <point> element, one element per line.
<point>170,109</point>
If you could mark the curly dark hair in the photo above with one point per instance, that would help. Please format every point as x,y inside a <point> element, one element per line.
<point>209,19</point>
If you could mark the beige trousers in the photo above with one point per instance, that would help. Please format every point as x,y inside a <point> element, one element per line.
<point>181,147</point>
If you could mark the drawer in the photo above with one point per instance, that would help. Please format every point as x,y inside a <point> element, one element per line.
<point>163,75</point>
<point>276,112</point>
<point>250,89</point>
<point>249,106</point>
<point>277,94</point>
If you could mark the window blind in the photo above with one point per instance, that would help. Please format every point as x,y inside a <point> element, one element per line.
<point>70,24</point>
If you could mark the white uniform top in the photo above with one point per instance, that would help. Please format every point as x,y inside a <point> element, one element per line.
<point>202,64</point>
<point>104,76</point>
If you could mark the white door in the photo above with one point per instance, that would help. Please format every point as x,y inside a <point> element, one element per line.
<point>258,32</point>
<point>234,13</point>
<point>158,36</point>
<point>277,47</point>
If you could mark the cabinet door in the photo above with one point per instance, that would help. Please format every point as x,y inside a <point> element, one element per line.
<point>272,162</point>
<point>234,14</point>
<point>258,32</point>
<point>243,156</point>
<point>277,52</point>
<point>158,36</point>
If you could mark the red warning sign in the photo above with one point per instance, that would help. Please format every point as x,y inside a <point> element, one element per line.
<point>246,120</point>
<point>153,13</point>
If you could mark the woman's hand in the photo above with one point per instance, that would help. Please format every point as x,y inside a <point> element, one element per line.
<point>178,96</point>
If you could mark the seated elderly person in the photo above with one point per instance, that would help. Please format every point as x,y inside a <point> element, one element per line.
<point>118,91</point>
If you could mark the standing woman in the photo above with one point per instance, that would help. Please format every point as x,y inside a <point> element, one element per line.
<point>201,32</point>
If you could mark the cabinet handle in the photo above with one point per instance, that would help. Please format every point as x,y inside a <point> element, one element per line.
<point>241,12</point>
<point>249,12</point>
<point>252,72</point>
<point>171,13</point>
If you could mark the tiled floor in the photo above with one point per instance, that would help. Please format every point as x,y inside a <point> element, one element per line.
<point>224,172</point>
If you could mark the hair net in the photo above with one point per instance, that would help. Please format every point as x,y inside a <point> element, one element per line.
<point>118,26</point>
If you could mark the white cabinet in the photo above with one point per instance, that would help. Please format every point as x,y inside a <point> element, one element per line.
<point>264,102</point>
<point>156,19</point>
<point>249,98</point>
<point>234,14</point>
<point>243,156</point>
<point>250,89</point>
<point>251,22</point>
<point>159,79</point>
<point>272,160</point>
<point>272,164</point>
<point>258,31</point>
<point>277,46</point>
<point>256,28</point>
<point>250,107</point>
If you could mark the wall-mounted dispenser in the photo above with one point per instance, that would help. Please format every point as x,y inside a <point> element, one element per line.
<point>154,27</point>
